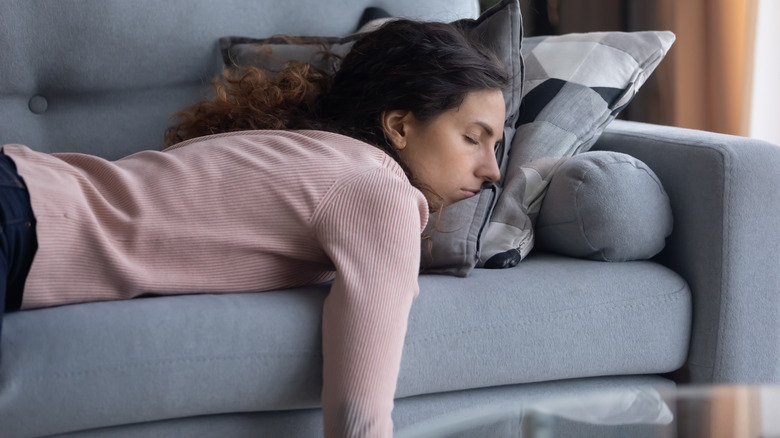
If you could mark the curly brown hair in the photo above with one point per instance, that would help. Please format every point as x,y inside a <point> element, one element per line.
<point>246,98</point>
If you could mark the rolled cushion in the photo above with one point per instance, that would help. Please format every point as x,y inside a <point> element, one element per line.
<point>604,206</point>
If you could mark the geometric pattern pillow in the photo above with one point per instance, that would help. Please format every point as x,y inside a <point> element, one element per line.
<point>574,85</point>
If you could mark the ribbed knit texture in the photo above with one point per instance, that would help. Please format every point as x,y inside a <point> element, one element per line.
<point>244,212</point>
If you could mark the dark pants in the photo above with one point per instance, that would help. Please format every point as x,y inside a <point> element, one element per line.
<point>17,236</point>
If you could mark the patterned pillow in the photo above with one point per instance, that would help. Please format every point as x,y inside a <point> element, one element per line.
<point>452,240</point>
<point>574,85</point>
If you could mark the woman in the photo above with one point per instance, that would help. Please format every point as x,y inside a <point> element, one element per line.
<point>276,183</point>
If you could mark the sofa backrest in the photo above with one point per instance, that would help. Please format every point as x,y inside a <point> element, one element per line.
<point>104,76</point>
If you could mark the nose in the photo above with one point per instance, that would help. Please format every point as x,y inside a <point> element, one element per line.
<point>488,170</point>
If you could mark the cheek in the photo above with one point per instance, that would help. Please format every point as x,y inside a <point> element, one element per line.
<point>437,160</point>
<point>449,175</point>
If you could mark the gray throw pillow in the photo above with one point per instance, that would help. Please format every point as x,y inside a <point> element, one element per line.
<point>604,206</point>
<point>451,242</point>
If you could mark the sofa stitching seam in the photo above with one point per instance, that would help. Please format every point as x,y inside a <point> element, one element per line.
<point>140,365</point>
<point>550,317</point>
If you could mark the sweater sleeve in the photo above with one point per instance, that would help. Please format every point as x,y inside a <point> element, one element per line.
<point>371,231</point>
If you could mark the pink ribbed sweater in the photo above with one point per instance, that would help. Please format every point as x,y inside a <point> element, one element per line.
<point>244,212</point>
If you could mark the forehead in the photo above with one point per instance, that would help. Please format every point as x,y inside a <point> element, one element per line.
<point>483,107</point>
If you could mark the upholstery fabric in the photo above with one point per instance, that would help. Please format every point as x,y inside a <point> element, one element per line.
<point>574,85</point>
<point>604,206</point>
<point>452,245</point>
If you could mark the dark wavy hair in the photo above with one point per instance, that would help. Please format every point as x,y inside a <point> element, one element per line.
<point>422,67</point>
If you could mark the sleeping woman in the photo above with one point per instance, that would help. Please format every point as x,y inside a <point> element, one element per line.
<point>274,183</point>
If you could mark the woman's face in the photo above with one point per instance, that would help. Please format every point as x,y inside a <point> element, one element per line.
<point>454,154</point>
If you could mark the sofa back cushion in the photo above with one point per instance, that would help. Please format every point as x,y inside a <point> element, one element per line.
<point>103,77</point>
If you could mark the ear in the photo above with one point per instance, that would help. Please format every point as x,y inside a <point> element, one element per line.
<point>395,125</point>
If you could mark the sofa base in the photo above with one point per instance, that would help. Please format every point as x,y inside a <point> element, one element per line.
<point>409,412</point>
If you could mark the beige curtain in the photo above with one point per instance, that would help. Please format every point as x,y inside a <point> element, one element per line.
<point>705,81</point>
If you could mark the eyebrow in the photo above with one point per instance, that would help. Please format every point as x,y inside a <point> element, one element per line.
<point>485,126</point>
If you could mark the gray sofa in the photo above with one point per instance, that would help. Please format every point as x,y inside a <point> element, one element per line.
<point>102,76</point>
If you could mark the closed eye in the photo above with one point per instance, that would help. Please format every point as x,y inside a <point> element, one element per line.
<point>470,140</point>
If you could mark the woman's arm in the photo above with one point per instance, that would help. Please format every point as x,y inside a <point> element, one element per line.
<point>371,231</point>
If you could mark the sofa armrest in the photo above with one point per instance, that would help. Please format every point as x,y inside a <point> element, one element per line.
<point>725,197</point>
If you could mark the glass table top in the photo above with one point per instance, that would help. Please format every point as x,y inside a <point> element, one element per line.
<point>687,411</point>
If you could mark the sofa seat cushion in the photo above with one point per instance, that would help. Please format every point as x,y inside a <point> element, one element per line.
<point>549,318</point>
<point>103,364</point>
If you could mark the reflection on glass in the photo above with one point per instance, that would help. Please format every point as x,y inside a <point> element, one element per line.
<point>639,411</point>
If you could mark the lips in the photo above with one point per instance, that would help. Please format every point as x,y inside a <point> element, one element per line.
<point>470,192</point>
